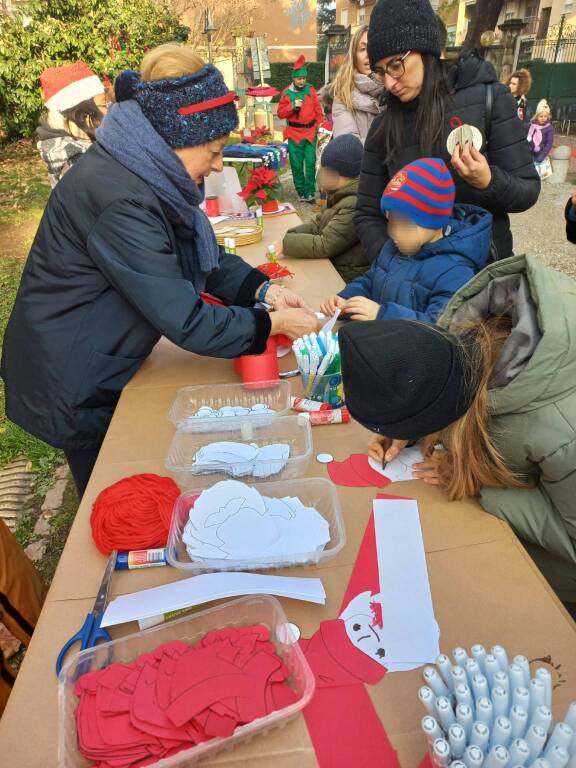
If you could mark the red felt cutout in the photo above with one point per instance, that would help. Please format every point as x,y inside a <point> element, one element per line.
<point>132,715</point>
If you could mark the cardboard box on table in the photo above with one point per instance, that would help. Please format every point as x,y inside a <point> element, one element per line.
<point>484,587</point>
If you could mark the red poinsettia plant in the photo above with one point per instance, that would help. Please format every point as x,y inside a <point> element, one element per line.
<point>262,186</point>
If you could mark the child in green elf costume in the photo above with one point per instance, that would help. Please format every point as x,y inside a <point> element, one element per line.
<point>300,107</point>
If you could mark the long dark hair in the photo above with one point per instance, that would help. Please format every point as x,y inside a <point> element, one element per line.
<point>429,114</point>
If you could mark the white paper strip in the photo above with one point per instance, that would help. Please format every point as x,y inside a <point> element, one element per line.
<point>205,588</point>
<point>411,634</point>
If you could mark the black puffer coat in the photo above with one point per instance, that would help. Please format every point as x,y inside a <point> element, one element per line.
<point>103,281</point>
<point>515,184</point>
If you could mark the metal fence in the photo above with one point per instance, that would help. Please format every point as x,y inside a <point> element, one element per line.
<point>559,46</point>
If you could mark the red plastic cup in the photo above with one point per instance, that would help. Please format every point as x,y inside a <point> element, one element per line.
<point>255,369</point>
<point>212,206</point>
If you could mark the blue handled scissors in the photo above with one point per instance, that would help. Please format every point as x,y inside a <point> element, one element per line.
<point>91,633</point>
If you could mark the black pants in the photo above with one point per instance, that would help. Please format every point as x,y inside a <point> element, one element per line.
<point>81,464</point>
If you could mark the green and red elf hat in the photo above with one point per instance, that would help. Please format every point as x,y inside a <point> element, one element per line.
<point>299,69</point>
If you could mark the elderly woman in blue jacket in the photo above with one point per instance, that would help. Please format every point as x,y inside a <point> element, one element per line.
<point>434,248</point>
<point>122,255</point>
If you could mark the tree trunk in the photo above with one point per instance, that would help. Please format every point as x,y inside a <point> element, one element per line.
<point>484,17</point>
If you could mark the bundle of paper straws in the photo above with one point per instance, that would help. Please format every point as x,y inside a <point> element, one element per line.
<point>484,712</point>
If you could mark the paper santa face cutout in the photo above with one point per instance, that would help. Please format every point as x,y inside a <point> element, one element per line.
<point>363,620</point>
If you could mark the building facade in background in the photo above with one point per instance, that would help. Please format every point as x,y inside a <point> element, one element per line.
<point>289,28</point>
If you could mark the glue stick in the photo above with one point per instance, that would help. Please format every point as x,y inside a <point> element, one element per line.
<point>140,558</point>
<point>303,404</point>
<point>259,216</point>
<point>230,245</point>
<point>336,416</point>
<point>271,253</point>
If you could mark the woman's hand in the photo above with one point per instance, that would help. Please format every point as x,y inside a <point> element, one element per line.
<point>428,470</point>
<point>360,308</point>
<point>331,304</point>
<point>294,323</point>
<point>472,166</point>
<point>283,298</point>
<point>382,448</point>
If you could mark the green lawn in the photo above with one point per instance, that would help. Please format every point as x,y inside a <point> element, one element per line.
<point>24,190</point>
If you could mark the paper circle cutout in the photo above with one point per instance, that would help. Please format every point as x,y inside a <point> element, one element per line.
<point>324,458</point>
<point>463,134</point>
<point>289,633</point>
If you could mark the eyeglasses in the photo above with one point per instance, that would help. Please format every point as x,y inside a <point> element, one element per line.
<point>394,69</point>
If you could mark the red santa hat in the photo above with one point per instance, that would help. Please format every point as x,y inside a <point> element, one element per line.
<point>65,87</point>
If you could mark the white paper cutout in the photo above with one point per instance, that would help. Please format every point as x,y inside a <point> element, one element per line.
<point>401,467</point>
<point>241,459</point>
<point>410,632</point>
<point>363,618</point>
<point>196,590</point>
<point>226,411</point>
<point>234,521</point>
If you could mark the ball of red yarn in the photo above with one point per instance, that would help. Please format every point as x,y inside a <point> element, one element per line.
<point>134,513</point>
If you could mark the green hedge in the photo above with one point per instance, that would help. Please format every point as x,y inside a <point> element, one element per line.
<point>281,75</point>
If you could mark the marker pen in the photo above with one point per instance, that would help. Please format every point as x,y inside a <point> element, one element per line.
<point>519,720</point>
<point>485,711</point>
<point>431,729</point>
<point>465,718</point>
<point>457,764</point>
<point>492,666</point>
<point>544,675</point>
<point>561,737</point>
<point>457,740</point>
<point>521,698</point>
<point>460,656</point>
<point>479,654</point>
<point>472,668</point>
<point>458,676</point>
<point>428,700</point>
<point>463,695</point>
<point>519,752</point>
<point>537,695</point>
<point>570,716</point>
<point>557,757</point>
<point>501,732</point>
<point>441,753</point>
<point>500,653</point>
<point>501,701</point>
<point>502,680</point>
<point>497,757</point>
<point>473,757</point>
<point>524,665</point>
<point>540,763</point>
<point>542,716</point>
<point>435,682</point>
<point>140,558</point>
<point>480,736</point>
<point>480,687</point>
<point>445,667</point>
<point>516,675</point>
<point>535,738</point>
<point>445,712</point>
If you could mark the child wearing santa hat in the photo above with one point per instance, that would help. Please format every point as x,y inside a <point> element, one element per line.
<point>76,102</point>
<point>300,107</point>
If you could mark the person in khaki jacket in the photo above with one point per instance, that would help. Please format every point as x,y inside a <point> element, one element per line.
<point>490,393</point>
<point>331,234</point>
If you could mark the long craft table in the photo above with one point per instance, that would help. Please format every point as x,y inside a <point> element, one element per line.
<point>485,588</point>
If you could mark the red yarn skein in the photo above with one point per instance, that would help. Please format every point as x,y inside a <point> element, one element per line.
<point>134,513</point>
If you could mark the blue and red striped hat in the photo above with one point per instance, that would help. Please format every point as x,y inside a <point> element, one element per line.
<point>423,192</point>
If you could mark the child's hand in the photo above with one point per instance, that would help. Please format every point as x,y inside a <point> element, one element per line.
<point>360,308</point>
<point>382,448</point>
<point>429,469</point>
<point>331,304</point>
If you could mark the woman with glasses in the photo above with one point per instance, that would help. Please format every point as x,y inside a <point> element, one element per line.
<point>356,91</point>
<point>427,99</point>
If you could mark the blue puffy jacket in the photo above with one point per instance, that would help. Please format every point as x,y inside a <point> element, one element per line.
<point>418,287</point>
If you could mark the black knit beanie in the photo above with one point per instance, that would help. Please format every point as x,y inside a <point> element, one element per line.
<point>399,26</point>
<point>344,154</point>
<point>405,379</point>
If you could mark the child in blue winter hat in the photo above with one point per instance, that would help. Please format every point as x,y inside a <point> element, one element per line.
<point>434,248</point>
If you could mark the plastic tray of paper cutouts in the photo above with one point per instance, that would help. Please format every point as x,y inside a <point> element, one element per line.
<point>247,399</point>
<point>261,431</point>
<point>246,611</point>
<point>316,492</point>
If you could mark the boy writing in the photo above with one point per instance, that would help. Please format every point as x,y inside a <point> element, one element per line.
<point>331,234</point>
<point>434,248</point>
<point>300,107</point>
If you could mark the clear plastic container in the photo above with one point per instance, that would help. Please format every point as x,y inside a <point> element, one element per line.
<point>262,430</point>
<point>324,389</point>
<point>314,492</point>
<point>237,613</point>
<point>274,394</point>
